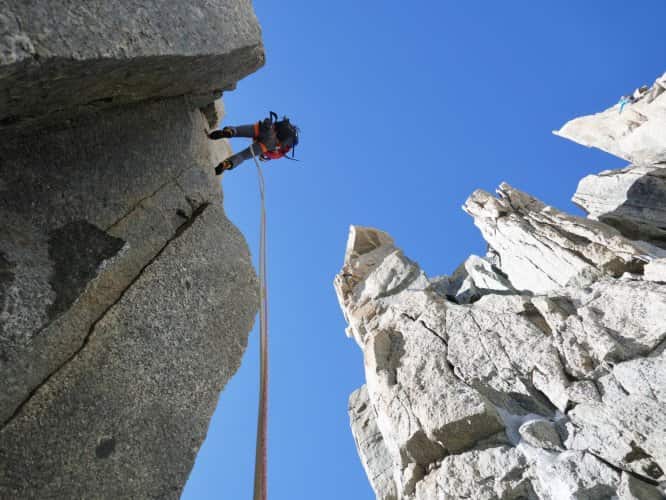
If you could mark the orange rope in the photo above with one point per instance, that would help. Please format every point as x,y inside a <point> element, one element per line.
<point>260,459</point>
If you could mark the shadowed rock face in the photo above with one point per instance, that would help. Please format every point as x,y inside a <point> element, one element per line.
<point>126,414</point>
<point>126,295</point>
<point>631,199</point>
<point>88,246</point>
<point>535,371</point>
<point>6,279</point>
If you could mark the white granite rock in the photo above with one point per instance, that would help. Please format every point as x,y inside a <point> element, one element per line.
<point>496,347</point>
<point>635,134</point>
<point>471,280</point>
<point>583,391</point>
<point>494,473</point>
<point>370,444</point>
<point>439,375</point>
<point>632,488</point>
<point>541,248</point>
<point>423,410</point>
<point>611,320</point>
<point>631,199</point>
<point>570,475</point>
<point>538,371</point>
<point>541,434</point>
<point>655,270</point>
<point>628,427</point>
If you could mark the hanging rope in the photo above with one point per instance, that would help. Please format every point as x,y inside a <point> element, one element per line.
<point>260,459</point>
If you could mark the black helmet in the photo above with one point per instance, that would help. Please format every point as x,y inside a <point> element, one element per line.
<point>287,132</point>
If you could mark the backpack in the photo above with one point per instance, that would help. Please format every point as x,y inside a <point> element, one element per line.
<point>287,135</point>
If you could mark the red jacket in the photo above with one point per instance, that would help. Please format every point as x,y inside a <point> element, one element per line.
<point>276,153</point>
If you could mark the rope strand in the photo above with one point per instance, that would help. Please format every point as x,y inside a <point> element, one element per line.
<point>260,460</point>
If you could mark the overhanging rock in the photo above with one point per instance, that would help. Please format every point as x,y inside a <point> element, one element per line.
<point>631,199</point>
<point>59,60</point>
<point>635,134</point>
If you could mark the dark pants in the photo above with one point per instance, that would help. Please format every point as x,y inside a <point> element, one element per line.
<point>262,133</point>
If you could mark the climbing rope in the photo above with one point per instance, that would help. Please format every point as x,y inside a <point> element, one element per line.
<point>260,459</point>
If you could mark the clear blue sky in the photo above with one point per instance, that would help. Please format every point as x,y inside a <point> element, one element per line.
<point>405,108</point>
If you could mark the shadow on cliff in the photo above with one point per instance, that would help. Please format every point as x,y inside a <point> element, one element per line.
<point>642,216</point>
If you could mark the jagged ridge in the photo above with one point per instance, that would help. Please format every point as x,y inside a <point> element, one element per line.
<point>532,372</point>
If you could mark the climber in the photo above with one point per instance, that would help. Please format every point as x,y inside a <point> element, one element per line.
<point>273,139</point>
<point>624,100</point>
<point>638,94</point>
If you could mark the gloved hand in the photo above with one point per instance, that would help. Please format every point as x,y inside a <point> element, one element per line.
<point>228,132</point>
<point>225,133</point>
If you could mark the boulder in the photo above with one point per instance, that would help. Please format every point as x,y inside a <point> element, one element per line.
<point>541,434</point>
<point>471,280</point>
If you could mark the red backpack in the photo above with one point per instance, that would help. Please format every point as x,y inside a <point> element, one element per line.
<point>277,153</point>
<point>287,135</point>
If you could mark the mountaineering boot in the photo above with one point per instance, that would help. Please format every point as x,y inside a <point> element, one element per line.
<point>225,133</point>
<point>225,165</point>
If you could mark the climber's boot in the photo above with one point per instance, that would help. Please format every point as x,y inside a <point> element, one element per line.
<point>225,133</point>
<point>225,165</point>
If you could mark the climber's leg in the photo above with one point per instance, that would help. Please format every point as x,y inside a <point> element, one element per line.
<point>228,132</point>
<point>238,158</point>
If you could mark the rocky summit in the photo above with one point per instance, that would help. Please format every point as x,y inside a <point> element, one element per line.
<point>126,295</point>
<point>539,369</point>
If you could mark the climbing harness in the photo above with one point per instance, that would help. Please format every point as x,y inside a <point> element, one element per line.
<point>260,460</point>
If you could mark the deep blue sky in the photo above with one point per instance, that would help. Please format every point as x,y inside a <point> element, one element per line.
<point>405,108</point>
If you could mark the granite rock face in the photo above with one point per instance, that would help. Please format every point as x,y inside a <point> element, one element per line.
<point>126,295</point>
<point>370,444</point>
<point>536,371</point>
<point>127,413</point>
<point>636,133</point>
<point>542,248</point>
<point>631,199</point>
<point>59,61</point>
